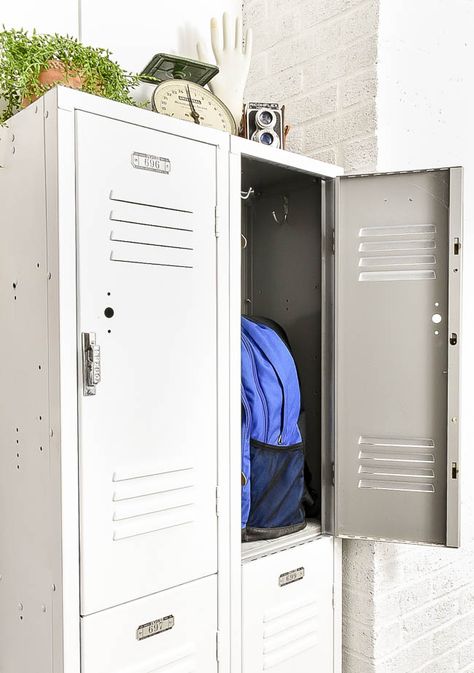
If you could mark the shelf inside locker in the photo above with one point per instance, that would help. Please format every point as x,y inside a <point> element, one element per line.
<point>255,550</point>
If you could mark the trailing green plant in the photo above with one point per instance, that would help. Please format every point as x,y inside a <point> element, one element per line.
<point>24,58</point>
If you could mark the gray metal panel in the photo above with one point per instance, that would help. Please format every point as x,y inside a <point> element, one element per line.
<point>282,281</point>
<point>327,356</point>
<point>27,533</point>
<point>392,342</point>
<point>454,328</point>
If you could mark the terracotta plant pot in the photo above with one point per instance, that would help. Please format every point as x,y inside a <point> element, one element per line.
<point>56,74</point>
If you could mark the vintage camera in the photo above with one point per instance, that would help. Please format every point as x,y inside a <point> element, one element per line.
<point>264,123</point>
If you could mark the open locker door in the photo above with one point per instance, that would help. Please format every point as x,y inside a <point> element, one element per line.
<point>396,359</point>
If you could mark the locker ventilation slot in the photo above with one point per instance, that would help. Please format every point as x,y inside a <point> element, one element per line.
<point>288,632</point>
<point>396,464</point>
<point>135,201</point>
<point>145,233</point>
<point>179,661</point>
<point>149,503</point>
<point>398,252</point>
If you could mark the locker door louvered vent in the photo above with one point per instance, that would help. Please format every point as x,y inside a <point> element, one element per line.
<point>182,660</point>
<point>398,252</point>
<point>179,661</point>
<point>148,503</point>
<point>397,464</point>
<point>150,233</point>
<point>289,631</point>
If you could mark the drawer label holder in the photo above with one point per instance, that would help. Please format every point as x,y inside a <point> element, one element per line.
<point>150,162</point>
<point>155,627</point>
<point>291,576</point>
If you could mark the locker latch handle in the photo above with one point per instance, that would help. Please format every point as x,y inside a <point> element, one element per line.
<point>90,363</point>
<point>457,246</point>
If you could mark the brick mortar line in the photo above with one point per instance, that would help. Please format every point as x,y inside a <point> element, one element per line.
<point>458,591</point>
<point>427,605</point>
<point>337,114</point>
<point>331,53</point>
<point>451,650</point>
<point>408,585</point>
<point>353,107</point>
<point>360,657</point>
<point>432,573</point>
<point>308,31</point>
<point>310,90</point>
<point>304,126</point>
<point>405,646</point>
<point>325,22</point>
<point>399,619</point>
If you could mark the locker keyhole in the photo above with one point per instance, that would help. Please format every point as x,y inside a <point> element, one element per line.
<point>436,318</point>
<point>109,312</point>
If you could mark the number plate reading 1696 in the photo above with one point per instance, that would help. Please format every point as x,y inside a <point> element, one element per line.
<point>291,576</point>
<point>155,627</point>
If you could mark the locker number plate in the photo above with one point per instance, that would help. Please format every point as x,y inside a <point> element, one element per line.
<point>149,162</point>
<point>291,576</point>
<point>155,627</point>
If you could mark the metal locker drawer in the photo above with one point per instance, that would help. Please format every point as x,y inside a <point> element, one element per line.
<point>183,621</point>
<point>287,613</point>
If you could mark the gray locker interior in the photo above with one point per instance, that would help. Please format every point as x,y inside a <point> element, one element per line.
<point>364,276</point>
<point>281,274</point>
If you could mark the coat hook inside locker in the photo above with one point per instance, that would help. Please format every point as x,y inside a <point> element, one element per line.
<point>285,212</point>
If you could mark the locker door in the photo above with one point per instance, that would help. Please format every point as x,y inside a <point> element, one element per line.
<point>397,292</point>
<point>147,296</point>
<point>287,611</point>
<point>173,631</point>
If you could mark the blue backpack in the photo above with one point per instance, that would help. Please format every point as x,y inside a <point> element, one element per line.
<point>273,465</point>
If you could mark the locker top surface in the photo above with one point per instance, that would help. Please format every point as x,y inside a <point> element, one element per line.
<point>72,100</point>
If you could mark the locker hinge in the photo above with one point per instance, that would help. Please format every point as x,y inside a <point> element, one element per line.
<point>217,218</point>
<point>333,599</point>
<point>333,242</point>
<point>333,474</point>
<point>218,646</point>
<point>218,502</point>
<point>90,363</point>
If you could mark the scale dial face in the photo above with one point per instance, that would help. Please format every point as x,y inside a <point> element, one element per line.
<point>172,98</point>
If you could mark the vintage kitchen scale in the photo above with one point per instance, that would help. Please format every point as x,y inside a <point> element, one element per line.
<point>180,91</point>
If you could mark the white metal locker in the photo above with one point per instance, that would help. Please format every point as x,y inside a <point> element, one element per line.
<point>287,611</point>
<point>122,230</point>
<point>120,222</point>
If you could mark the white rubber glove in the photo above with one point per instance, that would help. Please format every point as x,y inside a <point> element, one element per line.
<point>233,61</point>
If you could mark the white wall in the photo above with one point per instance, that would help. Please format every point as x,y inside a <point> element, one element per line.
<point>134,30</point>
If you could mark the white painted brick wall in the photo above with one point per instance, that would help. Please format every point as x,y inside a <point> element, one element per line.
<point>319,58</point>
<point>405,609</point>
